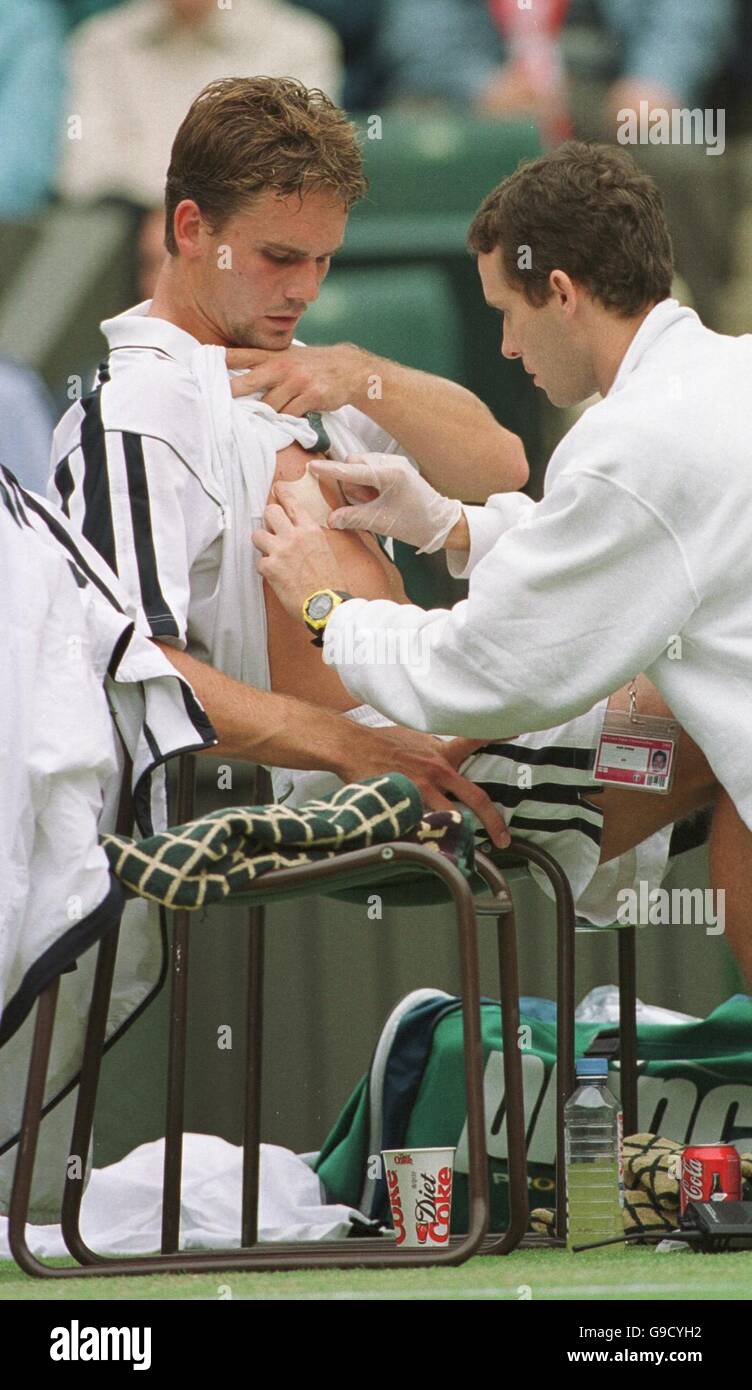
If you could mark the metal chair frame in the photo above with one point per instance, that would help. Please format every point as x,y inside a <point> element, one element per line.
<point>350,869</point>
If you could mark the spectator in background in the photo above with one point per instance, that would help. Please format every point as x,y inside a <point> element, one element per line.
<point>613,54</point>
<point>77,10</point>
<point>31,89</point>
<point>734,95</point>
<point>357,23</point>
<point>136,68</point>
<point>26,425</point>
<point>456,51</point>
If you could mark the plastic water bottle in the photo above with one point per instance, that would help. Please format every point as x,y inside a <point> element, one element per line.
<point>594,1158</point>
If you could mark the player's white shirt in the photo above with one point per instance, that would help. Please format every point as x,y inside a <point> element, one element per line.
<point>131,469</point>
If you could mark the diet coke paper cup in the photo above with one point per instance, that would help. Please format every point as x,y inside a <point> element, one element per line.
<point>419,1182</point>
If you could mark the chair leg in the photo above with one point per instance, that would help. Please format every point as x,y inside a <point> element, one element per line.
<point>365,1253</point>
<point>83,1123</point>
<point>514,1100</point>
<point>478,1197</point>
<point>176,1048</point>
<point>627,939</point>
<point>91,1060</point>
<point>254,1054</point>
<point>175,1115</point>
<point>565,1077</point>
<point>565,987</point>
<point>29,1136</point>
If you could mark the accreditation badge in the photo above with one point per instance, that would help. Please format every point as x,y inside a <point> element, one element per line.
<point>637,750</point>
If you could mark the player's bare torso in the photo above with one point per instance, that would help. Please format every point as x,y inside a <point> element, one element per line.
<point>295,665</point>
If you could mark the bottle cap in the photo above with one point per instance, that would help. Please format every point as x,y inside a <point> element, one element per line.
<point>592,1066</point>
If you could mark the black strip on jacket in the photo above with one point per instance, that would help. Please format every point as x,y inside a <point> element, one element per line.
<point>97,525</point>
<point>161,620</point>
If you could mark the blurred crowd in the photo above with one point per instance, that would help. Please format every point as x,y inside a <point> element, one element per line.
<point>92,91</point>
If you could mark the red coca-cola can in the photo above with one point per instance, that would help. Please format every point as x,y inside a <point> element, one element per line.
<point>710,1172</point>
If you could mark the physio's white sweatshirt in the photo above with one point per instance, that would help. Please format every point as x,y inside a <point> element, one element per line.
<point>639,558</point>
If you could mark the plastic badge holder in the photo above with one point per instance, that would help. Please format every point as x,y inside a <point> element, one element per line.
<point>637,750</point>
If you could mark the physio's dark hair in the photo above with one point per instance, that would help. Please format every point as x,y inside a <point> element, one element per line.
<point>585,209</point>
<point>243,135</point>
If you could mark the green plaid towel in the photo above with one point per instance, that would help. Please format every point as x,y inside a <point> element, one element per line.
<point>208,860</point>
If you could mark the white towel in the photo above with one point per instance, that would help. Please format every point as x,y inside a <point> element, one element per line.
<point>121,1211</point>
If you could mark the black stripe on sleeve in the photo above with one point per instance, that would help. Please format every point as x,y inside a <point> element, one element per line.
<point>97,525</point>
<point>151,742</point>
<point>8,496</point>
<point>161,621</point>
<point>77,575</point>
<point>64,483</point>
<point>197,714</point>
<point>120,649</point>
<point>66,540</point>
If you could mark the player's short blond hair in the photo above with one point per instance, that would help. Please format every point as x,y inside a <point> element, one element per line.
<point>243,135</point>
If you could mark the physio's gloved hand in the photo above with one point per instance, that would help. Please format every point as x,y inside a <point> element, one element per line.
<point>389,497</point>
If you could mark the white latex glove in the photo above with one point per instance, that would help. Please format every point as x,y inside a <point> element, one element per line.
<point>389,497</point>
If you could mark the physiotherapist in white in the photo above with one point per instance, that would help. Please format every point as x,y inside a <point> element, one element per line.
<point>638,558</point>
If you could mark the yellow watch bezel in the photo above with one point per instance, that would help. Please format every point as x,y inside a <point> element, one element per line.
<point>318,624</point>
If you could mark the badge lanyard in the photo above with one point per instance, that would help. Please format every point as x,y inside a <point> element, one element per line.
<point>637,750</point>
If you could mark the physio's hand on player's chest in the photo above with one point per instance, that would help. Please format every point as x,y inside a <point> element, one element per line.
<point>299,379</point>
<point>295,556</point>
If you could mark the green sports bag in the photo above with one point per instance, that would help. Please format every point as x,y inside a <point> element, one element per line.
<point>695,1085</point>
